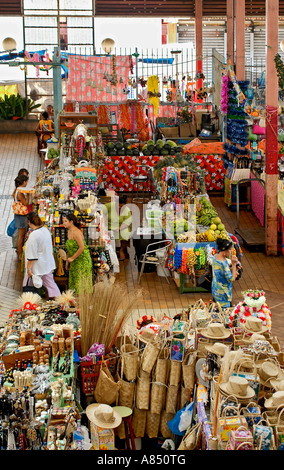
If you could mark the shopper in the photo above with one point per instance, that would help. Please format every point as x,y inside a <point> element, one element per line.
<point>24,171</point>
<point>79,262</point>
<point>223,275</point>
<point>20,210</point>
<point>39,259</point>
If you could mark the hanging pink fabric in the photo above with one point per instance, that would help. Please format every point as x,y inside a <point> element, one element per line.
<point>87,79</point>
<point>33,58</point>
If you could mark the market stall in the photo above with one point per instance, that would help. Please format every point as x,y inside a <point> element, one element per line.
<point>206,379</point>
<point>186,216</point>
<point>70,184</point>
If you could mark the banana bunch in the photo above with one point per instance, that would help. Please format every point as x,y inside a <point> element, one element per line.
<point>206,216</point>
<point>191,259</point>
<point>224,235</point>
<point>201,237</point>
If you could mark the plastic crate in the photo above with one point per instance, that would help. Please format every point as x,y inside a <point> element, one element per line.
<point>90,373</point>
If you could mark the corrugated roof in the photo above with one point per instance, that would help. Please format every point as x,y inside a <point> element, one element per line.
<point>11,8</point>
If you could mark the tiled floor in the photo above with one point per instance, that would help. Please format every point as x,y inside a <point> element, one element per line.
<point>260,271</point>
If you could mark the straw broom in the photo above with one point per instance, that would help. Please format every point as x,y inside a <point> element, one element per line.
<point>103,312</point>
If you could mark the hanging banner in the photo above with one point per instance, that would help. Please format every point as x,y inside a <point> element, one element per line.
<point>98,78</point>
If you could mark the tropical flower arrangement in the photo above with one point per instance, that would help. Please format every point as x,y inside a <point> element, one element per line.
<point>254,304</point>
<point>145,320</point>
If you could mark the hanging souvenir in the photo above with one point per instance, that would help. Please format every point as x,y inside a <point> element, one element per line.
<point>165,81</point>
<point>153,92</point>
<point>142,82</point>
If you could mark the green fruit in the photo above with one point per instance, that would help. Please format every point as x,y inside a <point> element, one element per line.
<point>217,232</point>
<point>213,227</point>
<point>221,227</point>
<point>216,221</point>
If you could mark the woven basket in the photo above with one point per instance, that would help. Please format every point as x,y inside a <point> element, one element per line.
<point>188,371</point>
<point>126,393</point>
<point>184,396</point>
<point>139,422</point>
<point>152,424</point>
<point>164,428</point>
<point>129,357</point>
<point>162,366</point>
<point>149,357</point>
<point>143,391</point>
<point>175,373</point>
<point>158,397</point>
<point>171,399</point>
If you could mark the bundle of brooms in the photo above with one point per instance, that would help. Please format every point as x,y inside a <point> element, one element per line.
<point>103,312</point>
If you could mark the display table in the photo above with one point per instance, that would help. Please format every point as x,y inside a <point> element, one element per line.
<point>118,171</point>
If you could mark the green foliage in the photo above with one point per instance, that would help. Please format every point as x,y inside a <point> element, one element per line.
<point>280,70</point>
<point>15,106</point>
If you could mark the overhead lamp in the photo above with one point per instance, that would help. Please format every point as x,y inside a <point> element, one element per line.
<point>9,44</point>
<point>108,45</point>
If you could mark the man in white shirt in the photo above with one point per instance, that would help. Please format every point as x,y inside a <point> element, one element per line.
<point>39,260</point>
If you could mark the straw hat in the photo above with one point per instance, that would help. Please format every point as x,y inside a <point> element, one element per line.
<point>254,325</point>
<point>103,416</point>
<point>277,384</point>
<point>277,399</point>
<point>219,349</point>
<point>254,337</point>
<point>268,370</point>
<point>215,331</point>
<point>237,386</point>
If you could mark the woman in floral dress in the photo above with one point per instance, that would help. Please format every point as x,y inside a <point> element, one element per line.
<point>79,262</point>
<point>223,276</point>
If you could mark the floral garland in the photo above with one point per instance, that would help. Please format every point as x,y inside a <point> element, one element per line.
<point>183,268</point>
<point>144,320</point>
<point>225,94</point>
<point>254,304</point>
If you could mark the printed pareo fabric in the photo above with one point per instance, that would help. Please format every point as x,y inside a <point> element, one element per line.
<point>222,282</point>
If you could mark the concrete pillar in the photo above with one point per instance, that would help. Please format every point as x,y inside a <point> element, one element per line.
<point>199,38</point>
<point>57,88</point>
<point>240,14</point>
<point>272,24</point>
<point>230,31</point>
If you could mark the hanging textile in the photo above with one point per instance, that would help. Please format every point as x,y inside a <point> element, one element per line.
<point>98,78</point>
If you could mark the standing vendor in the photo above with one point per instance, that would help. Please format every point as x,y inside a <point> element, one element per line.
<point>223,275</point>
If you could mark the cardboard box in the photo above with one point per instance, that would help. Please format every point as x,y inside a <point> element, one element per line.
<point>169,132</point>
<point>187,129</point>
<point>101,439</point>
<point>184,130</point>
